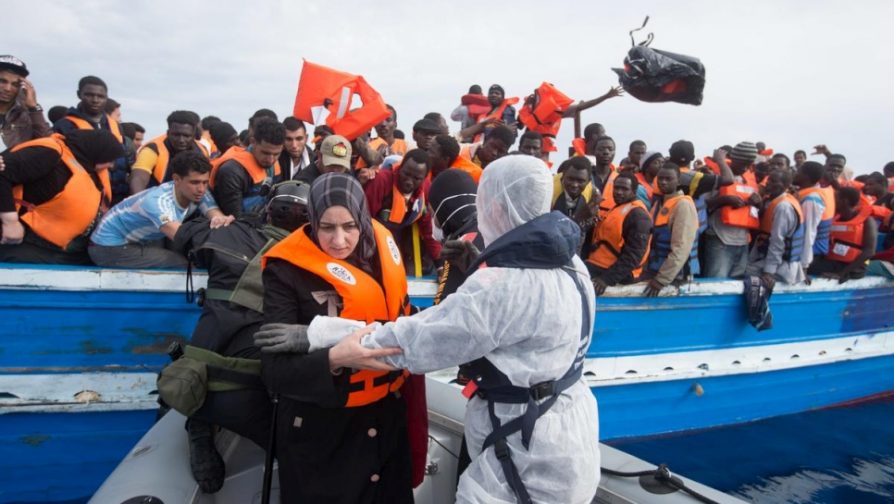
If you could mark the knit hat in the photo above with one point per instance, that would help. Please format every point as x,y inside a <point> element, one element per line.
<point>497,87</point>
<point>682,152</point>
<point>745,152</point>
<point>648,158</point>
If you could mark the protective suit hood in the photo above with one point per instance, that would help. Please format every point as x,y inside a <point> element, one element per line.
<point>512,191</point>
<point>547,241</point>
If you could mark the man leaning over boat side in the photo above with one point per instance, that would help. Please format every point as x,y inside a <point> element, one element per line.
<point>232,311</point>
<point>52,192</point>
<point>131,235</point>
<point>775,254</point>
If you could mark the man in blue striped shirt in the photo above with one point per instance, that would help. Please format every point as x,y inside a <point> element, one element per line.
<point>132,233</point>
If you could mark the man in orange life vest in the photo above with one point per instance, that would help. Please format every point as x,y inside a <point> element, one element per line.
<point>733,213</point>
<point>224,136</point>
<point>620,244</point>
<point>443,152</point>
<point>90,111</point>
<point>396,198</point>
<point>604,171</point>
<point>776,252</point>
<point>52,195</point>
<point>151,166</point>
<point>241,178</point>
<point>674,232</point>
<point>496,96</point>
<point>852,239</point>
<point>876,186</point>
<point>385,142</point>
<point>21,117</point>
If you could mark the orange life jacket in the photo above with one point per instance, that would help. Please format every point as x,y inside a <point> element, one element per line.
<point>882,213</point>
<point>322,87</point>
<point>579,145</point>
<point>363,297</point>
<point>650,191</point>
<point>466,165</point>
<point>891,183</point>
<point>794,245</point>
<point>608,197</point>
<point>542,112</point>
<point>71,212</point>
<point>608,237</point>
<point>398,210</point>
<point>748,216</point>
<point>496,113</point>
<point>846,237</point>
<point>476,104</point>
<point>248,163</point>
<point>399,146</point>
<point>83,124</point>
<point>160,170</point>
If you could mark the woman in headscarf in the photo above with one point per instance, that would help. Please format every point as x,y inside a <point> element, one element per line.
<point>341,433</point>
<point>61,189</point>
<point>524,321</point>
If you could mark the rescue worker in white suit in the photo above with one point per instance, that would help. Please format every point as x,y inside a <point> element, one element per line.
<point>525,321</point>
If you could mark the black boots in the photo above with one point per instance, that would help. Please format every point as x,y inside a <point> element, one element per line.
<point>207,466</point>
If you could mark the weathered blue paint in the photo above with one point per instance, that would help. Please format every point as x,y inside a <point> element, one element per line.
<point>51,457</point>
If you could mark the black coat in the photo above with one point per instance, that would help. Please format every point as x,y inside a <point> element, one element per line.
<point>326,452</point>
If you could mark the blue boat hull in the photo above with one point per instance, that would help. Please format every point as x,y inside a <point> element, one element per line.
<point>686,360</point>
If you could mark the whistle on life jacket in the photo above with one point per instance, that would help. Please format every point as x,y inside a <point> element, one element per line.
<point>328,96</point>
<point>542,113</point>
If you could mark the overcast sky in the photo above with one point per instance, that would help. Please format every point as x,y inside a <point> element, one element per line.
<point>792,74</point>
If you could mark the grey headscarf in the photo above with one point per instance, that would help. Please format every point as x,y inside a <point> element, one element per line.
<point>338,189</point>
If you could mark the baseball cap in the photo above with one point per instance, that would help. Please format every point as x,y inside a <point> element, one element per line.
<point>336,150</point>
<point>13,64</point>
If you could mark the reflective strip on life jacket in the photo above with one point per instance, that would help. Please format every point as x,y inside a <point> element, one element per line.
<point>846,237</point>
<point>794,244</point>
<point>363,297</point>
<point>71,212</point>
<point>608,238</point>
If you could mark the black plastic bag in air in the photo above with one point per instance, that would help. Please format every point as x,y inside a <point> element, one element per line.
<point>652,75</point>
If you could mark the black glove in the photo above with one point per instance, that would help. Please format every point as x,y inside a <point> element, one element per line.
<point>460,253</point>
<point>282,338</point>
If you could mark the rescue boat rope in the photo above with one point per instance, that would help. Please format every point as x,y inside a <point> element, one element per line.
<point>662,475</point>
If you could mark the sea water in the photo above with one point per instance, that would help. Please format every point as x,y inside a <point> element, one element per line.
<point>836,455</point>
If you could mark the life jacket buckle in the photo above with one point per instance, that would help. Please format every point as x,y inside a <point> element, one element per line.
<point>543,390</point>
<point>501,449</point>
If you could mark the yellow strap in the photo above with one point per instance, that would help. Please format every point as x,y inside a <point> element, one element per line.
<point>417,251</point>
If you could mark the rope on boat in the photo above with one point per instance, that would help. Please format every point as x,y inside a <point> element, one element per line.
<point>662,475</point>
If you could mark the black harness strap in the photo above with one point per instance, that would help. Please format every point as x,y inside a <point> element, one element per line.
<point>502,391</point>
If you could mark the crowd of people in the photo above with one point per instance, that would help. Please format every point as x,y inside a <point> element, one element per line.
<point>294,227</point>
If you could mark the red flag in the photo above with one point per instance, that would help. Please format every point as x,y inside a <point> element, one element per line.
<point>328,96</point>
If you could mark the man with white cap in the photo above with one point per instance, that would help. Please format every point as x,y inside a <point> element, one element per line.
<point>524,321</point>
<point>21,117</point>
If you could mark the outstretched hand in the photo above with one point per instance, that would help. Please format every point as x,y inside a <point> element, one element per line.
<point>349,353</point>
<point>614,91</point>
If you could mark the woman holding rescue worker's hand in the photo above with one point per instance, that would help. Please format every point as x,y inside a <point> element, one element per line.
<point>341,433</point>
<point>524,321</point>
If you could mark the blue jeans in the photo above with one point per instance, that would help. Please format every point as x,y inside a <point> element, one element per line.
<point>723,261</point>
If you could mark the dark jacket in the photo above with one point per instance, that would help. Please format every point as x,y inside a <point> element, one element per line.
<point>224,327</point>
<point>285,162</point>
<point>233,186</point>
<point>328,453</point>
<point>452,277</point>
<point>20,125</point>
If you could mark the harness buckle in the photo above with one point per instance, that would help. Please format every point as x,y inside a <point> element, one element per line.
<point>501,449</point>
<point>543,390</point>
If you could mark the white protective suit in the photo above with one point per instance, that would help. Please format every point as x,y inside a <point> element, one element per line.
<point>527,322</point>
